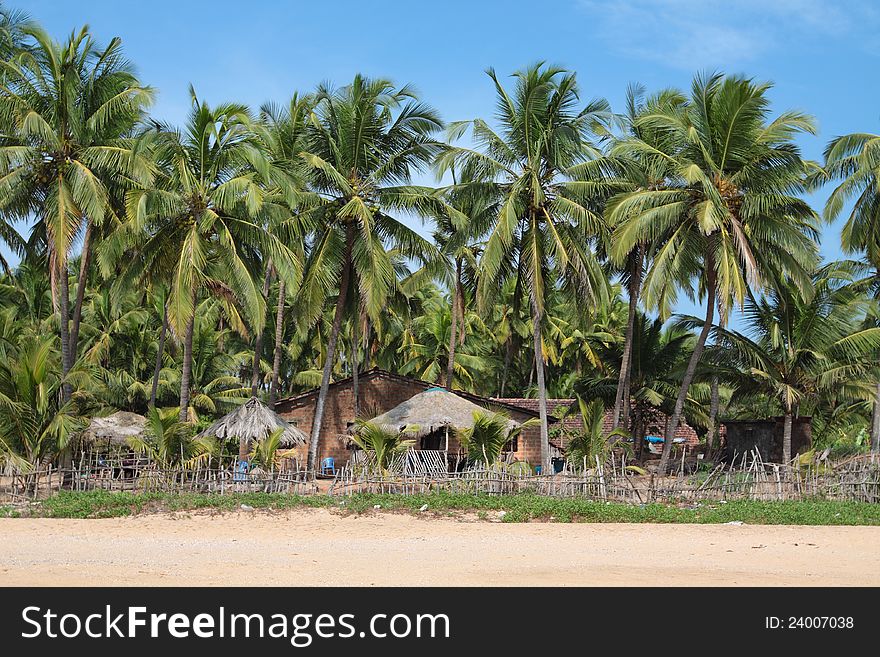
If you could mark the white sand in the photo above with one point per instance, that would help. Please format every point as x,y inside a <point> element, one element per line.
<point>319,547</point>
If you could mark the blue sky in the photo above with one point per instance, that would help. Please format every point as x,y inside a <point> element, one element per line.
<point>823,57</point>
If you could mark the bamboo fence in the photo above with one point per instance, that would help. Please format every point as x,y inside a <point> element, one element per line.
<point>749,478</point>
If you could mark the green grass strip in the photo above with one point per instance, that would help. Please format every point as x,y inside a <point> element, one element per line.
<point>517,508</point>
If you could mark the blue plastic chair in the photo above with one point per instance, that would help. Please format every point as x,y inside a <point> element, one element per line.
<point>538,469</point>
<point>328,466</point>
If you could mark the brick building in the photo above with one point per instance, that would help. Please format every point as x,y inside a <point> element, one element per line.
<point>685,434</point>
<point>379,391</point>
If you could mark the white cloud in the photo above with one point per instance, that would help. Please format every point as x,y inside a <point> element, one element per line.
<point>708,33</point>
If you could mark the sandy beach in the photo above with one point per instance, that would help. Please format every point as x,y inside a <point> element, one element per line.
<point>322,548</point>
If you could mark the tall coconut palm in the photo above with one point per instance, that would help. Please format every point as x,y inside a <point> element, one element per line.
<point>203,224</point>
<point>459,242</point>
<point>793,349</point>
<point>727,216</point>
<point>636,169</point>
<point>365,141</point>
<point>282,132</point>
<point>66,111</point>
<point>854,160</point>
<point>538,167</point>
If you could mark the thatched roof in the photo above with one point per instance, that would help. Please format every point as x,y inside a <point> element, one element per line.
<point>428,411</point>
<point>116,428</point>
<point>253,420</point>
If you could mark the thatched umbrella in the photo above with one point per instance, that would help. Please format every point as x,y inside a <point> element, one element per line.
<point>251,421</point>
<point>116,429</point>
<point>428,411</point>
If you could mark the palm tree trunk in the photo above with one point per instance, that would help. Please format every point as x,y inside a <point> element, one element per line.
<point>244,449</point>
<point>64,310</point>
<point>875,422</point>
<point>355,364</point>
<point>542,388</point>
<point>453,323</point>
<point>621,412</point>
<point>638,433</point>
<point>508,357</point>
<point>673,422</point>
<point>258,338</point>
<point>786,437</point>
<point>279,336</point>
<point>713,417</point>
<point>160,351</point>
<point>627,402</point>
<point>187,367</point>
<point>331,350</point>
<point>84,265</point>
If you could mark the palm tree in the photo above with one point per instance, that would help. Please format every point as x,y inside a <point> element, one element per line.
<point>66,111</point>
<point>538,169</point>
<point>456,235</point>
<point>282,131</point>
<point>798,348</point>
<point>170,442</point>
<point>384,445</point>
<point>365,140</point>
<point>727,215</point>
<point>636,169</point>
<point>485,440</point>
<point>658,358</point>
<point>510,326</point>
<point>854,159</point>
<point>213,381</point>
<point>35,425</point>
<point>425,345</point>
<point>159,296</point>
<point>588,444</point>
<point>203,224</point>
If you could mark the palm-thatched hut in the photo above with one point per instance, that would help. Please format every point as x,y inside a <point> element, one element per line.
<point>113,430</point>
<point>430,415</point>
<point>254,421</point>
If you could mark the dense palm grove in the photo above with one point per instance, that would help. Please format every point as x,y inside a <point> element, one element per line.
<point>267,251</point>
